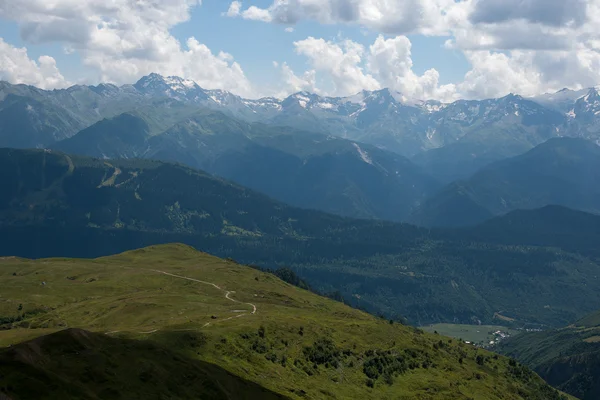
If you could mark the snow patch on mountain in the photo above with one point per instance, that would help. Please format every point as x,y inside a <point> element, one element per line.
<point>363,154</point>
<point>302,99</point>
<point>264,103</point>
<point>358,98</point>
<point>326,106</point>
<point>216,100</point>
<point>357,112</point>
<point>431,106</point>
<point>431,134</point>
<point>178,84</point>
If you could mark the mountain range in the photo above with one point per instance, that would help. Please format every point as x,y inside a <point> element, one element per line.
<point>382,118</point>
<point>375,155</point>
<point>301,168</point>
<point>477,212</point>
<point>561,171</point>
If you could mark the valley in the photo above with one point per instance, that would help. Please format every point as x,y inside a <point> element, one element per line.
<point>566,357</point>
<point>476,220</point>
<point>398,270</point>
<point>485,336</point>
<point>300,200</point>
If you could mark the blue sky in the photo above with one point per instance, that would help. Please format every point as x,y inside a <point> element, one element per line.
<point>255,45</point>
<point>443,49</point>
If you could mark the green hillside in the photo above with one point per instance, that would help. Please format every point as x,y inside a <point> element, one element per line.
<point>170,322</point>
<point>57,205</point>
<point>78,364</point>
<point>568,358</point>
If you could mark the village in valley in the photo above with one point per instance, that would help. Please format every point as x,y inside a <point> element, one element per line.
<point>484,336</point>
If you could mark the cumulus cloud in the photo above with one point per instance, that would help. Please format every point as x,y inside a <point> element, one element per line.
<point>527,46</point>
<point>514,35</point>
<point>496,74</point>
<point>257,14</point>
<point>392,17</point>
<point>391,63</point>
<point>350,67</point>
<point>294,83</point>
<point>342,62</point>
<point>234,9</point>
<point>125,39</point>
<point>554,13</point>
<point>529,72</point>
<point>524,46</point>
<point>17,67</point>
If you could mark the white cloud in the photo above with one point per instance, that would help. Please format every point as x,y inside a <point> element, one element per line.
<point>391,17</point>
<point>234,9</point>
<point>125,39</point>
<point>496,74</point>
<point>252,13</point>
<point>289,29</point>
<point>528,72</point>
<point>391,63</point>
<point>512,35</point>
<point>527,47</point>
<point>350,68</point>
<point>548,12</point>
<point>257,14</point>
<point>293,83</point>
<point>523,46</point>
<point>341,62</point>
<point>17,67</point>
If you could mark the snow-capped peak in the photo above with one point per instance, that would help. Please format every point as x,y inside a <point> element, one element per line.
<point>171,86</point>
<point>589,103</point>
<point>174,83</point>
<point>431,106</point>
<point>179,84</point>
<point>302,98</point>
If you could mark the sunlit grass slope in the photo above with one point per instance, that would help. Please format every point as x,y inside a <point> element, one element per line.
<point>197,312</point>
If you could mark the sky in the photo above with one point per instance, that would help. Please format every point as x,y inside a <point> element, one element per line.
<point>425,49</point>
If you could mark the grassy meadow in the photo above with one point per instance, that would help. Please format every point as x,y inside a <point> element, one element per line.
<point>296,344</point>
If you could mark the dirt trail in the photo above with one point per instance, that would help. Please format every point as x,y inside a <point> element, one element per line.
<point>227,296</point>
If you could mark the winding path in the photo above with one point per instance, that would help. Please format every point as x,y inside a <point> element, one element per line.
<point>227,294</point>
